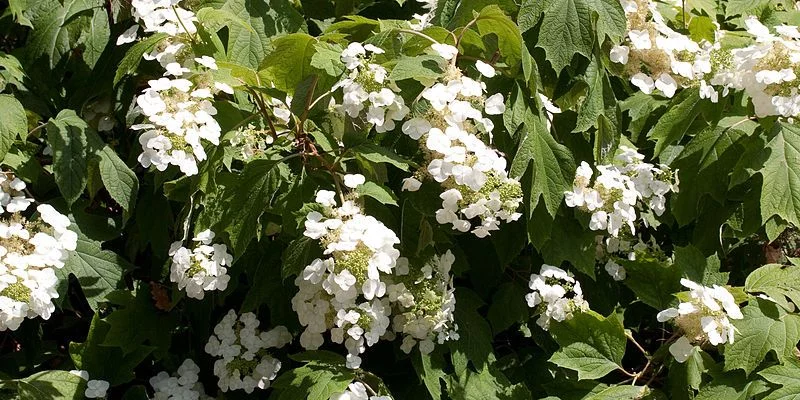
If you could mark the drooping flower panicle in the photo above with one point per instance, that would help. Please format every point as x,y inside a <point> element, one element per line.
<point>202,268</point>
<point>242,351</point>
<point>30,252</point>
<point>556,296</point>
<point>618,190</point>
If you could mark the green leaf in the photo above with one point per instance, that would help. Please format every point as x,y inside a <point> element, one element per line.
<point>51,385</point>
<point>248,46</point>
<point>475,339</point>
<point>94,33</point>
<point>129,63</point>
<point>780,190</point>
<point>93,356</point>
<point>137,322</point>
<point>120,181</point>
<point>599,100</point>
<point>565,239</point>
<point>589,362</point>
<point>620,392</point>
<point>590,344</point>
<point>98,271</point>
<point>260,182</point>
<point>704,167</point>
<point>778,282</point>
<point>377,192</point>
<point>290,61</point>
<point>430,369</point>
<point>678,121</point>
<point>702,28</point>
<point>487,384</point>
<point>56,29</point>
<point>379,154</point>
<point>492,20</point>
<point>551,164</point>
<point>15,123</point>
<point>689,374</point>
<point>698,268</point>
<point>508,307</point>
<point>765,328</point>
<point>17,8</point>
<point>215,19</point>
<point>423,68</point>
<point>734,386</point>
<point>300,253</point>
<point>787,374</point>
<point>328,57</point>
<point>66,134</point>
<point>743,7</point>
<point>791,392</point>
<point>652,280</point>
<point>568,28</point>
<point>313,381</point>
<point>530,12</point>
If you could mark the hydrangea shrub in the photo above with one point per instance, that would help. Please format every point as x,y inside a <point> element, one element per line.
<point>389,199</point>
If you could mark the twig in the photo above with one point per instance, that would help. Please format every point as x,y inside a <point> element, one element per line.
<point>632,339</point>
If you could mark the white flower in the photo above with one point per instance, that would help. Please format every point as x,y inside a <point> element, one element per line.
<point>128,36</point>
<point>446,51</point>
<point>681,349</point>
<point>666,85</point>
<point>326,198</point>
<point>643,82</point>
<point>353,180</point>
<point>96,389</point>
<point>485,69</point>
<point>206,61</point>
<point>411,184</point>
<point>494,104</point>
<point>640,39</point>
<point>616,271</point>
<point>619,54</point>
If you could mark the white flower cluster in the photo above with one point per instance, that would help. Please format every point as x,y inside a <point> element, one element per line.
<point>657,57</point>
<point>767,70</point>
<point>29,252</point>
<point>185,386</point>
<point>202,268</point>
<point>244,362</point>
<point>178,116</point>
<point>178,110</point>
<point>249,142</point>
<point>424,304</point>
<point>556,295</point>
<point>422,21</point>
<point>473,174</point>
<point>610,250</point>
<point>95,388</point>
<point>619,189</point>
<point>345,292</point>
<point>357,391</point>
<point>366,86</point>
<point>703,317</point>
<point>159,16</point>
